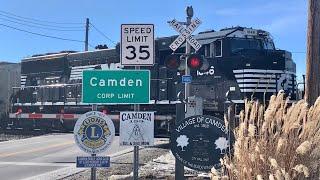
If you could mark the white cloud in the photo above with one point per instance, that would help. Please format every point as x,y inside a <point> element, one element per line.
<point>284,24</point>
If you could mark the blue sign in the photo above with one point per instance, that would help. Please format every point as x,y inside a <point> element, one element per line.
<point>186,79</point>
<point>93,161</point>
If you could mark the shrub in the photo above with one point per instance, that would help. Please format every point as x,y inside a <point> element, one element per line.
<point>281,142</point>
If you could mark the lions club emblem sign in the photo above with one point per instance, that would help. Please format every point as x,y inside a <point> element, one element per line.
<point>93,132</point>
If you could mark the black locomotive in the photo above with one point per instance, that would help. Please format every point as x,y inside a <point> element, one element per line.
<point>241,62</point>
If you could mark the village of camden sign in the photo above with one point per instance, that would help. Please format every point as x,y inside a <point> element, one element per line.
<point>199,142</point>
<point>116,87</point>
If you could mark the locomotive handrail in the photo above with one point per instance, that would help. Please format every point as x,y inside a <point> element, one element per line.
<point>43,72</point>
<point>74,84</point>
<point>38,99</point>
<point>49,85</point>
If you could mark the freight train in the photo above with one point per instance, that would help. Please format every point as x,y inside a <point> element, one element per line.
<point>241,62</point>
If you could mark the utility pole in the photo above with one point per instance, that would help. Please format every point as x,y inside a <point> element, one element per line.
<point>86,41</point>
<point>313,56</point>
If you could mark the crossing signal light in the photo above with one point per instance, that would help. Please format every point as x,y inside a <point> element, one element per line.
<point>172,61</point>
<point>194,61</point>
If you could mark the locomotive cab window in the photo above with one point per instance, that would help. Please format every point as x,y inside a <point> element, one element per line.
<point>207,50</point>
<point>268,45</point>
<point>218,48</point>
<point>240,44</point>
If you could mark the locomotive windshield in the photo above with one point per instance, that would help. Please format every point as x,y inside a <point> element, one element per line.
<point>268,44</point>
<point>239,44</point>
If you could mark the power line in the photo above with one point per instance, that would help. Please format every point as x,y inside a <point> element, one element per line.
<point>44,35</point>
<point>100,32</point>
<point>35,26</point>
<point>40,24</point>
<point>52,22</point>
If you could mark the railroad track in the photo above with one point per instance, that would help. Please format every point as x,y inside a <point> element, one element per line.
<point>34,131</point>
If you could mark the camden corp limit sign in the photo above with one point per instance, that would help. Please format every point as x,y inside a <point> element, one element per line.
<point>116,87</point>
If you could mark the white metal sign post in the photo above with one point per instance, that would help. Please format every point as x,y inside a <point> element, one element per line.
<point>185,35</point>
<point>137,49</point>
<point>137,44</point>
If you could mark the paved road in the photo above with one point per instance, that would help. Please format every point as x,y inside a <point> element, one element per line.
<point>28,158</point>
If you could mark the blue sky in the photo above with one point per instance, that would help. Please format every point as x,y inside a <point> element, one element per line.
<point>286,20</point>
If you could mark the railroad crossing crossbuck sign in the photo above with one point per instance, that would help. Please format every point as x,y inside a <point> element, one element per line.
<point>185,34</point>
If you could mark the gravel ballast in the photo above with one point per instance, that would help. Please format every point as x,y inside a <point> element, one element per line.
<point>121,166</point>
<point>155,163</point>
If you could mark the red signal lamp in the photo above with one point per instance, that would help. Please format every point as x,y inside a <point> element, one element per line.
<point>194,61</point>
<point>172,61</point>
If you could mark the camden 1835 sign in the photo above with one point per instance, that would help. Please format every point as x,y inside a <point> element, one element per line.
<point>136,128</point>
<point>198,142</point>
<point>116,87</point>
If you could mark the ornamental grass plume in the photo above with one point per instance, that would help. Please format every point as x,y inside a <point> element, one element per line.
<point>281,141</point>
<point>304,148</point>
<point>259,177</point>
<point>300,168</point>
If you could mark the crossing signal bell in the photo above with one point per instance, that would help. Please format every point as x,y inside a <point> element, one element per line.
<point>172,61</point>
<point>194,61</point>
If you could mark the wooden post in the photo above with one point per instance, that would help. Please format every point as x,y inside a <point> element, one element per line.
<point>313,56</point>
<point>86,41</point>
<point>179,168</point>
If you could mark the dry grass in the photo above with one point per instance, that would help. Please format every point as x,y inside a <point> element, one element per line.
<point>281,143</point>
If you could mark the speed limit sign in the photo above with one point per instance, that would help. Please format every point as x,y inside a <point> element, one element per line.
<point>137,44</point>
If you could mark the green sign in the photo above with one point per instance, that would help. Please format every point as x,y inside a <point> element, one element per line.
<point>116,87</point>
